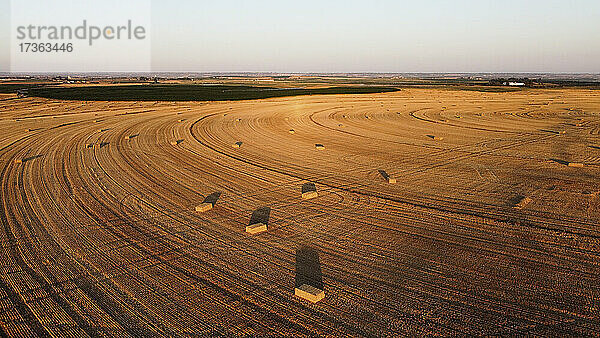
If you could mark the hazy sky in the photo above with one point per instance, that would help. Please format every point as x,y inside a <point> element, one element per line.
<point>382,36</point>
<point>376,36</point>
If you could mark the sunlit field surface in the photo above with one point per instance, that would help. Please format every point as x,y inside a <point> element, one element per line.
<point>491,226</point>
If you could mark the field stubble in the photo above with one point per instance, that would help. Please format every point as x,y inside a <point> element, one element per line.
<point>486,230</point>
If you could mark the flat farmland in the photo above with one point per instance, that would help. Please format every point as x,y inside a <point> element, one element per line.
<point>491,226</point>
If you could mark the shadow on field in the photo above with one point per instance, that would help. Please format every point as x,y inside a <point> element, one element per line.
<point>212,198</point>
<point>385,175</point>
<point>550,131</point>
<point>30,158</point>
<point>308,268</point>
<point>515,200</point>
<point>308,187</point>
<point>260,215</point>
<point>563,162</point>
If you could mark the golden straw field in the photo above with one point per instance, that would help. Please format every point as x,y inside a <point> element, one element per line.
<point>416,212</point>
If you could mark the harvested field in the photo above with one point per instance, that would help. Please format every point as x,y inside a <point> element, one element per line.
<point>179,92</point>
<point>107,241</point>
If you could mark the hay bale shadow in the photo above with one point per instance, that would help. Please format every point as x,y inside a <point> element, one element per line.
<point>308,268</point>
<point>30,158</point>
<point>308,187</point>
<point>563,162</point>
<point>212,198</point>
<point>384,174</point>
<point>434,137</point>
<point>260,215</point>
<point>515,200</point>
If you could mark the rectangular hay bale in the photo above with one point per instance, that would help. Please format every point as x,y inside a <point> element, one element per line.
<point>309,293</point>
<point>204,207</point>
<point>523,202</point>
<point>256,228</point>
<point>309,194</point>
<point>575,165</point>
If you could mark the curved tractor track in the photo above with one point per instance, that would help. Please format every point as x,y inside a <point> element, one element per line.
<point>487,230</point>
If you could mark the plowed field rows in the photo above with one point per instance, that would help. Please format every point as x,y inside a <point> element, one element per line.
<point>104,240</point>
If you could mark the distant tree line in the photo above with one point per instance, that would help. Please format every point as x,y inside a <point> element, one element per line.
<point>543,83</point>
